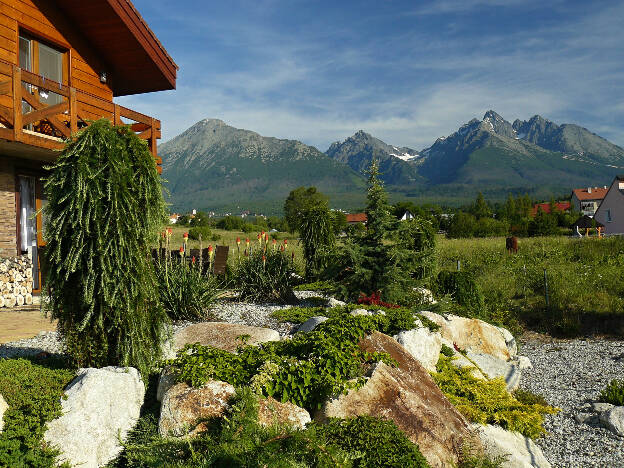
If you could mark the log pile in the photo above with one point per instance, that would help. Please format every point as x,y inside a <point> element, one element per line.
<point>16,281</point>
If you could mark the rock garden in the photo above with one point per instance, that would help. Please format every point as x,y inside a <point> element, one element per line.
<point>363,358</point>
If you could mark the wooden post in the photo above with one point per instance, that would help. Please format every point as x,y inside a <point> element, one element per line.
<point>17,103</point>
<point>458,265</point>
<point>152,139</point>
<point>546,289</point>
<point>73,111</point>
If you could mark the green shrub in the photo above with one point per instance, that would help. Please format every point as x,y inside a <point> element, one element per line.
<point>488,401</point>
<point>195,232</point>
<point>304,370</point>
<point>105,208</point>
<point>394,320</point>
<point>33,393</point>
<point>319,286</point>
<point>447,351</point>
<point>527,397</point>
<point>184,292</point>
<point>613,393</point>
<point>462,287</point>
<point>265,276</point>
<point>377,442</point>
<point>238,440</point>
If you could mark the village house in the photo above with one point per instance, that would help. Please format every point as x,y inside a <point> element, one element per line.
<point>587,200</point>
<point>545,207</point>
<point>62,63</point>
<point>610,213</point>
<point>356,218</point>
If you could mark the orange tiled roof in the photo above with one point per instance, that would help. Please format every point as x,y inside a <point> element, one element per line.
<point>356,218</point>
<point>561,206</point>
<point>597,193</point>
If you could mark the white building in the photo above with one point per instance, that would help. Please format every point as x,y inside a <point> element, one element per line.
<point>611,210</point>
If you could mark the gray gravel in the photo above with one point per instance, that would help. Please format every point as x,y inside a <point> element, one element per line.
<point>44,342</point>
<point>570,374</point>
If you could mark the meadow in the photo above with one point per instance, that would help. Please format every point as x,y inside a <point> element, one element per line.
<point>585,280</point>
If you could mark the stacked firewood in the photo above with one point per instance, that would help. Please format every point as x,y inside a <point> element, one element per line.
<point>16,281</point>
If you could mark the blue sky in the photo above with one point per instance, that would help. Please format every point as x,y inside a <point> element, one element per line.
<point>405,71</point>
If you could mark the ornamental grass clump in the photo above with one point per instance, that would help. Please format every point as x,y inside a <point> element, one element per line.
<point>266,275</point>
<point>105,209</point>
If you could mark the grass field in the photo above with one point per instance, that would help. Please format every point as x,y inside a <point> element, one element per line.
<point>585,280</point>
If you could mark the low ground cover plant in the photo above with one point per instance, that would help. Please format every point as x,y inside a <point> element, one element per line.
<point>461,286</point>
<point>33,392</point>
<point>488,401</point>
<point>239,441</point>
<point>398,318</point>
<point>304,370</point>
<point>613,393</point>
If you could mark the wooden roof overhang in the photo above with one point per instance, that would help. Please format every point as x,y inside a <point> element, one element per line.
<point>138,61</point>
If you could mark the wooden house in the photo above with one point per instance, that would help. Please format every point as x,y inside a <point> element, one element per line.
<point>62,63</point>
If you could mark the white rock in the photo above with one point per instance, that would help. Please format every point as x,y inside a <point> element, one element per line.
<point>425,295</point>
<point>311,323</point>
<point>166,380</point>
<point>366,312</point>
<point>100,407</point>
<point>521,452</point>
<point>331,302</point>
<point>3,407</point>
<point>423,345</point>
<point>184,408</point>
<point>472,334</point>
<point>524,362</point>
<point>600,407</point>
<point>613,420</point>
<point>460,361</point>
<point>493,367</point>
<point>512,346</point>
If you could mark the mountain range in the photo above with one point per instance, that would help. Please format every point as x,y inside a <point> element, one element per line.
<point>213,165</point>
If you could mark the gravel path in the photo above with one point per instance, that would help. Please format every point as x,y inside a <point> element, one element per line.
<point>570,374</point>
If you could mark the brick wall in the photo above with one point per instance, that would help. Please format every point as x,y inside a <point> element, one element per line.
<point>8,216</point>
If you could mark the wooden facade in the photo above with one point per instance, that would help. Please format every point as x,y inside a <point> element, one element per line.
<point>62,62</point>
<point>82,95</point>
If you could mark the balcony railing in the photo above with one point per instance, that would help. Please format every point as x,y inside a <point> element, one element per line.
<point>41,112</point>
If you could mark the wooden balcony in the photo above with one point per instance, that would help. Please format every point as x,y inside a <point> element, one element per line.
<point>41,113</point>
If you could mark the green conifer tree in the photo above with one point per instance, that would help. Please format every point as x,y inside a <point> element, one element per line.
<point>104,210</point>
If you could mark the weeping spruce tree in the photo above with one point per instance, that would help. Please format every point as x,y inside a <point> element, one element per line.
<point>105,206</point>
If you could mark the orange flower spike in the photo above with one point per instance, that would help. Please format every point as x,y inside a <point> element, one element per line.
<point>247,242</point>
<point>210,252</point>
<point>285,244</point>
<point>274,244</point>
<point>182,251</point>
<point>193,260</point>
<point>169,230</point>
<point>238,241</point>
<point>263,260</point>
<point>259,238</point>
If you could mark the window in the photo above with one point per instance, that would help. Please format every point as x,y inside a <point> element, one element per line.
<point>609,219</point>
<point>44,60</point>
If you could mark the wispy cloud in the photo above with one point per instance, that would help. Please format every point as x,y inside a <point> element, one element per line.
<point>407,75</point>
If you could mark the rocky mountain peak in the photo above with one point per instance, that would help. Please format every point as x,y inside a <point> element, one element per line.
<point>493,122</point>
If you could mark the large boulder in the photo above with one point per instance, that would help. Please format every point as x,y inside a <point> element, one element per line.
<point>3,407</point>
<point>422,344</point>
<point>520,451</point>
<point>183,407</point>
<point>408,396</point>
<point>613,419</point>
<point>474,335</point>
<point>100,406</point>
<point>221,335</point>
<point>271,411</point>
